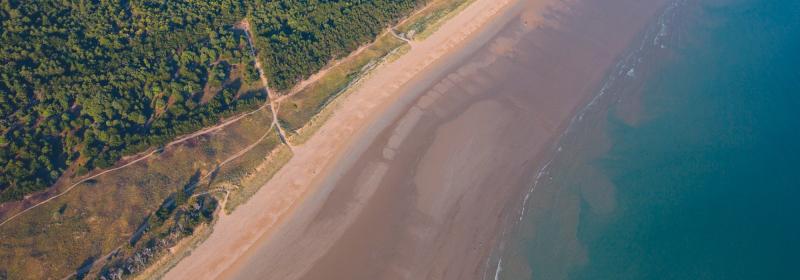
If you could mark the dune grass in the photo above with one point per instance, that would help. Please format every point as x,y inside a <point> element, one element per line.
<point>102,215</point>
<point>253,173</point>
<point>421,25</point>
<point>55,239</point>
<point>299,109</point>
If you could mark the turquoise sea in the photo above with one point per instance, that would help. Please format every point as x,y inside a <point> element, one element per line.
<point>686,166</point>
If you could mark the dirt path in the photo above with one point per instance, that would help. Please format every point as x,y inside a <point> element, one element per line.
<point>271,104</point>
<point>303,180</point>
<point>404,39</point>
<point>316,76</point>
<point>274,102</point>
<point>274,125</point>
<point>429,197</point>
<point>138,158</point>
<point>75,185</point>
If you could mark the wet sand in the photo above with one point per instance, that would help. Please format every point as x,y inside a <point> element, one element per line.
<point>431,194</point>
<point>304,183</point>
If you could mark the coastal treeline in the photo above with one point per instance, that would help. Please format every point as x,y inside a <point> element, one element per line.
<point>298,37</point>
<point>84,83</point>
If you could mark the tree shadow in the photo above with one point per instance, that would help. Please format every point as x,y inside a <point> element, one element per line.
<point>167,207</point>
<point>191,185</point>
<point>213,175</point>
<point>82,270</point>
<point>140,231</point>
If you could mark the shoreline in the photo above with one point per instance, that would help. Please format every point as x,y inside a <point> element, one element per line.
<point>303,162</point>
<point>435,196</point>
<point>605,92</point>
<point>396,214</point>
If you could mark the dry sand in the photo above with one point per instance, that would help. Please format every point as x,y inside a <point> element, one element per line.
<point>325,156</point>
<point>417,172</point>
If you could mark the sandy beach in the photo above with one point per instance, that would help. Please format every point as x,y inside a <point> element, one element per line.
<point>418,171</point>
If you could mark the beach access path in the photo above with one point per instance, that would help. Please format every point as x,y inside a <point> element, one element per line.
<point>327,151</point>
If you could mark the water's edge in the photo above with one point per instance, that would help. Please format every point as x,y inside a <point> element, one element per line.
<point>652,39</point>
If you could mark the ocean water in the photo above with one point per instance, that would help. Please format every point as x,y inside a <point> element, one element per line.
<point>686,165</point>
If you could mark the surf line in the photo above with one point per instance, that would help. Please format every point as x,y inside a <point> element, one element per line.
<point>622,69</point>
<point>499,269</point>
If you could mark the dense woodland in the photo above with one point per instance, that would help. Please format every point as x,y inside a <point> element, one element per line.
<point>83,83</point>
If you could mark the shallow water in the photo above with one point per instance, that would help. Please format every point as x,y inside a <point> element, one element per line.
<point>686,165</point>
<point>425,198</point>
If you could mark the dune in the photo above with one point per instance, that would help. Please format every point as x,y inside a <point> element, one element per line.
<point>416,174</point>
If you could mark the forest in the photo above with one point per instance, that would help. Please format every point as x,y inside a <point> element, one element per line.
<point>84,83</point>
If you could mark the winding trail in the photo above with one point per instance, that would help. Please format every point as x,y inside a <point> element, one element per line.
<point>75,185</point>
<point>271,103</point>
<point>402,38</point>
<point>274,102</point>
<point>274,124</point>
<point>243,151</point>
<point>308,175</point>
<point>147,156</point>
<point>143,157</point>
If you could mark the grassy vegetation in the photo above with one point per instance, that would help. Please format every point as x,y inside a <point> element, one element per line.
<point>251,172</point>
<point>181,250</point>
<point>232,184</point>
<point>180,216</point>
<point>422,24</point>
<point>299,109</point>
<point>304,112</point>
<point>103,214</point>
<point>303,134</point>
<point>85,83</point>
